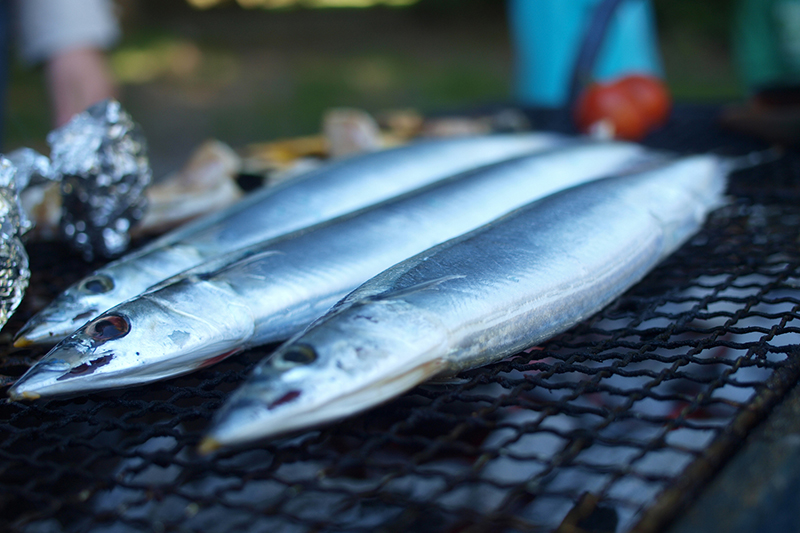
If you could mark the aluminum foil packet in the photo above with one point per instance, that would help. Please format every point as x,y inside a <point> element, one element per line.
<point>32,167</point>
<point>101,156</point>
<point>14,268</point>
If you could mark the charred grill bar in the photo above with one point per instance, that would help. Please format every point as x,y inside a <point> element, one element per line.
<point>614,425</point>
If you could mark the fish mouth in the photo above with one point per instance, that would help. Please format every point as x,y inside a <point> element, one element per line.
<point>21,341</point>
<point>34,384</point>
<point>45,329</point>
<point>54,376</point>
<point>208,445</point>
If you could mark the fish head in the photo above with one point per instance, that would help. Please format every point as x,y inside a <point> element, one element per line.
<point>348,361</point>
<point>105,288</point>
<point>74,307</point>
<point>80,355</point>
<point>136,342</point>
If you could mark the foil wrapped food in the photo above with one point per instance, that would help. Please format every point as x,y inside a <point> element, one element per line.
<point>101,156</point>
<point>32,168</point>
<point>14,268</point>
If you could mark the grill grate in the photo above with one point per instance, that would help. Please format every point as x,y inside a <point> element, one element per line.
<point>608,427</point>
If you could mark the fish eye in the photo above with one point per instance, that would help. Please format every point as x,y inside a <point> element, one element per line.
<point>98,284</point>
<point>108,328</point>
<point>300,354</point>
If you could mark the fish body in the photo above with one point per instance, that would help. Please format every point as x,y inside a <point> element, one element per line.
<point>268,292</point>
<point>475,299</point>
<point>319,195</point>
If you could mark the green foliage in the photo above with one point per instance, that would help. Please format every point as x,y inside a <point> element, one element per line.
<point>710,17</point>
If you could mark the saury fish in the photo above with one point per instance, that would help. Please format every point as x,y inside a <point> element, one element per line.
<point>475,299</point>
<point>320,195</point>
<point>271,291</point>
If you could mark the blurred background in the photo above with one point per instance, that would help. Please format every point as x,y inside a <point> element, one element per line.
<point>244,71</point>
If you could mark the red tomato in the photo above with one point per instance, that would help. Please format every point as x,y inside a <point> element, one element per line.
<point>628,107</point>
<point>651,95</point>
<point>605,106</point>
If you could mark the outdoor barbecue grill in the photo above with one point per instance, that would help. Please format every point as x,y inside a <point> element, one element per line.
<point>615,425</point>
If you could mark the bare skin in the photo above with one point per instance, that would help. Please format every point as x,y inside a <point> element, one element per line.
<point>76,79</point>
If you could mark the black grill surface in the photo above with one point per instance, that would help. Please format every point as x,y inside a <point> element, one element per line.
<point>611,426</point>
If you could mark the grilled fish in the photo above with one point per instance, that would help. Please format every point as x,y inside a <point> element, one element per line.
<point>271,291</point>
<point>320,195</point>
<point>475,299</point>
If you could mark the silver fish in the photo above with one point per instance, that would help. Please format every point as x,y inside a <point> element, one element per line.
<point>275,289</point>
<point>475,299</point>
<point>320,195</point>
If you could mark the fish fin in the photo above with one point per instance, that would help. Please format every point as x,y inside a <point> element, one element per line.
<point>382,294</point>
<point>216,265</point>
<point>424,286</point>
<point>246,258</point>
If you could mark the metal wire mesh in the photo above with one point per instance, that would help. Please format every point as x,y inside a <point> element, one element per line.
<point>610,426</point>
